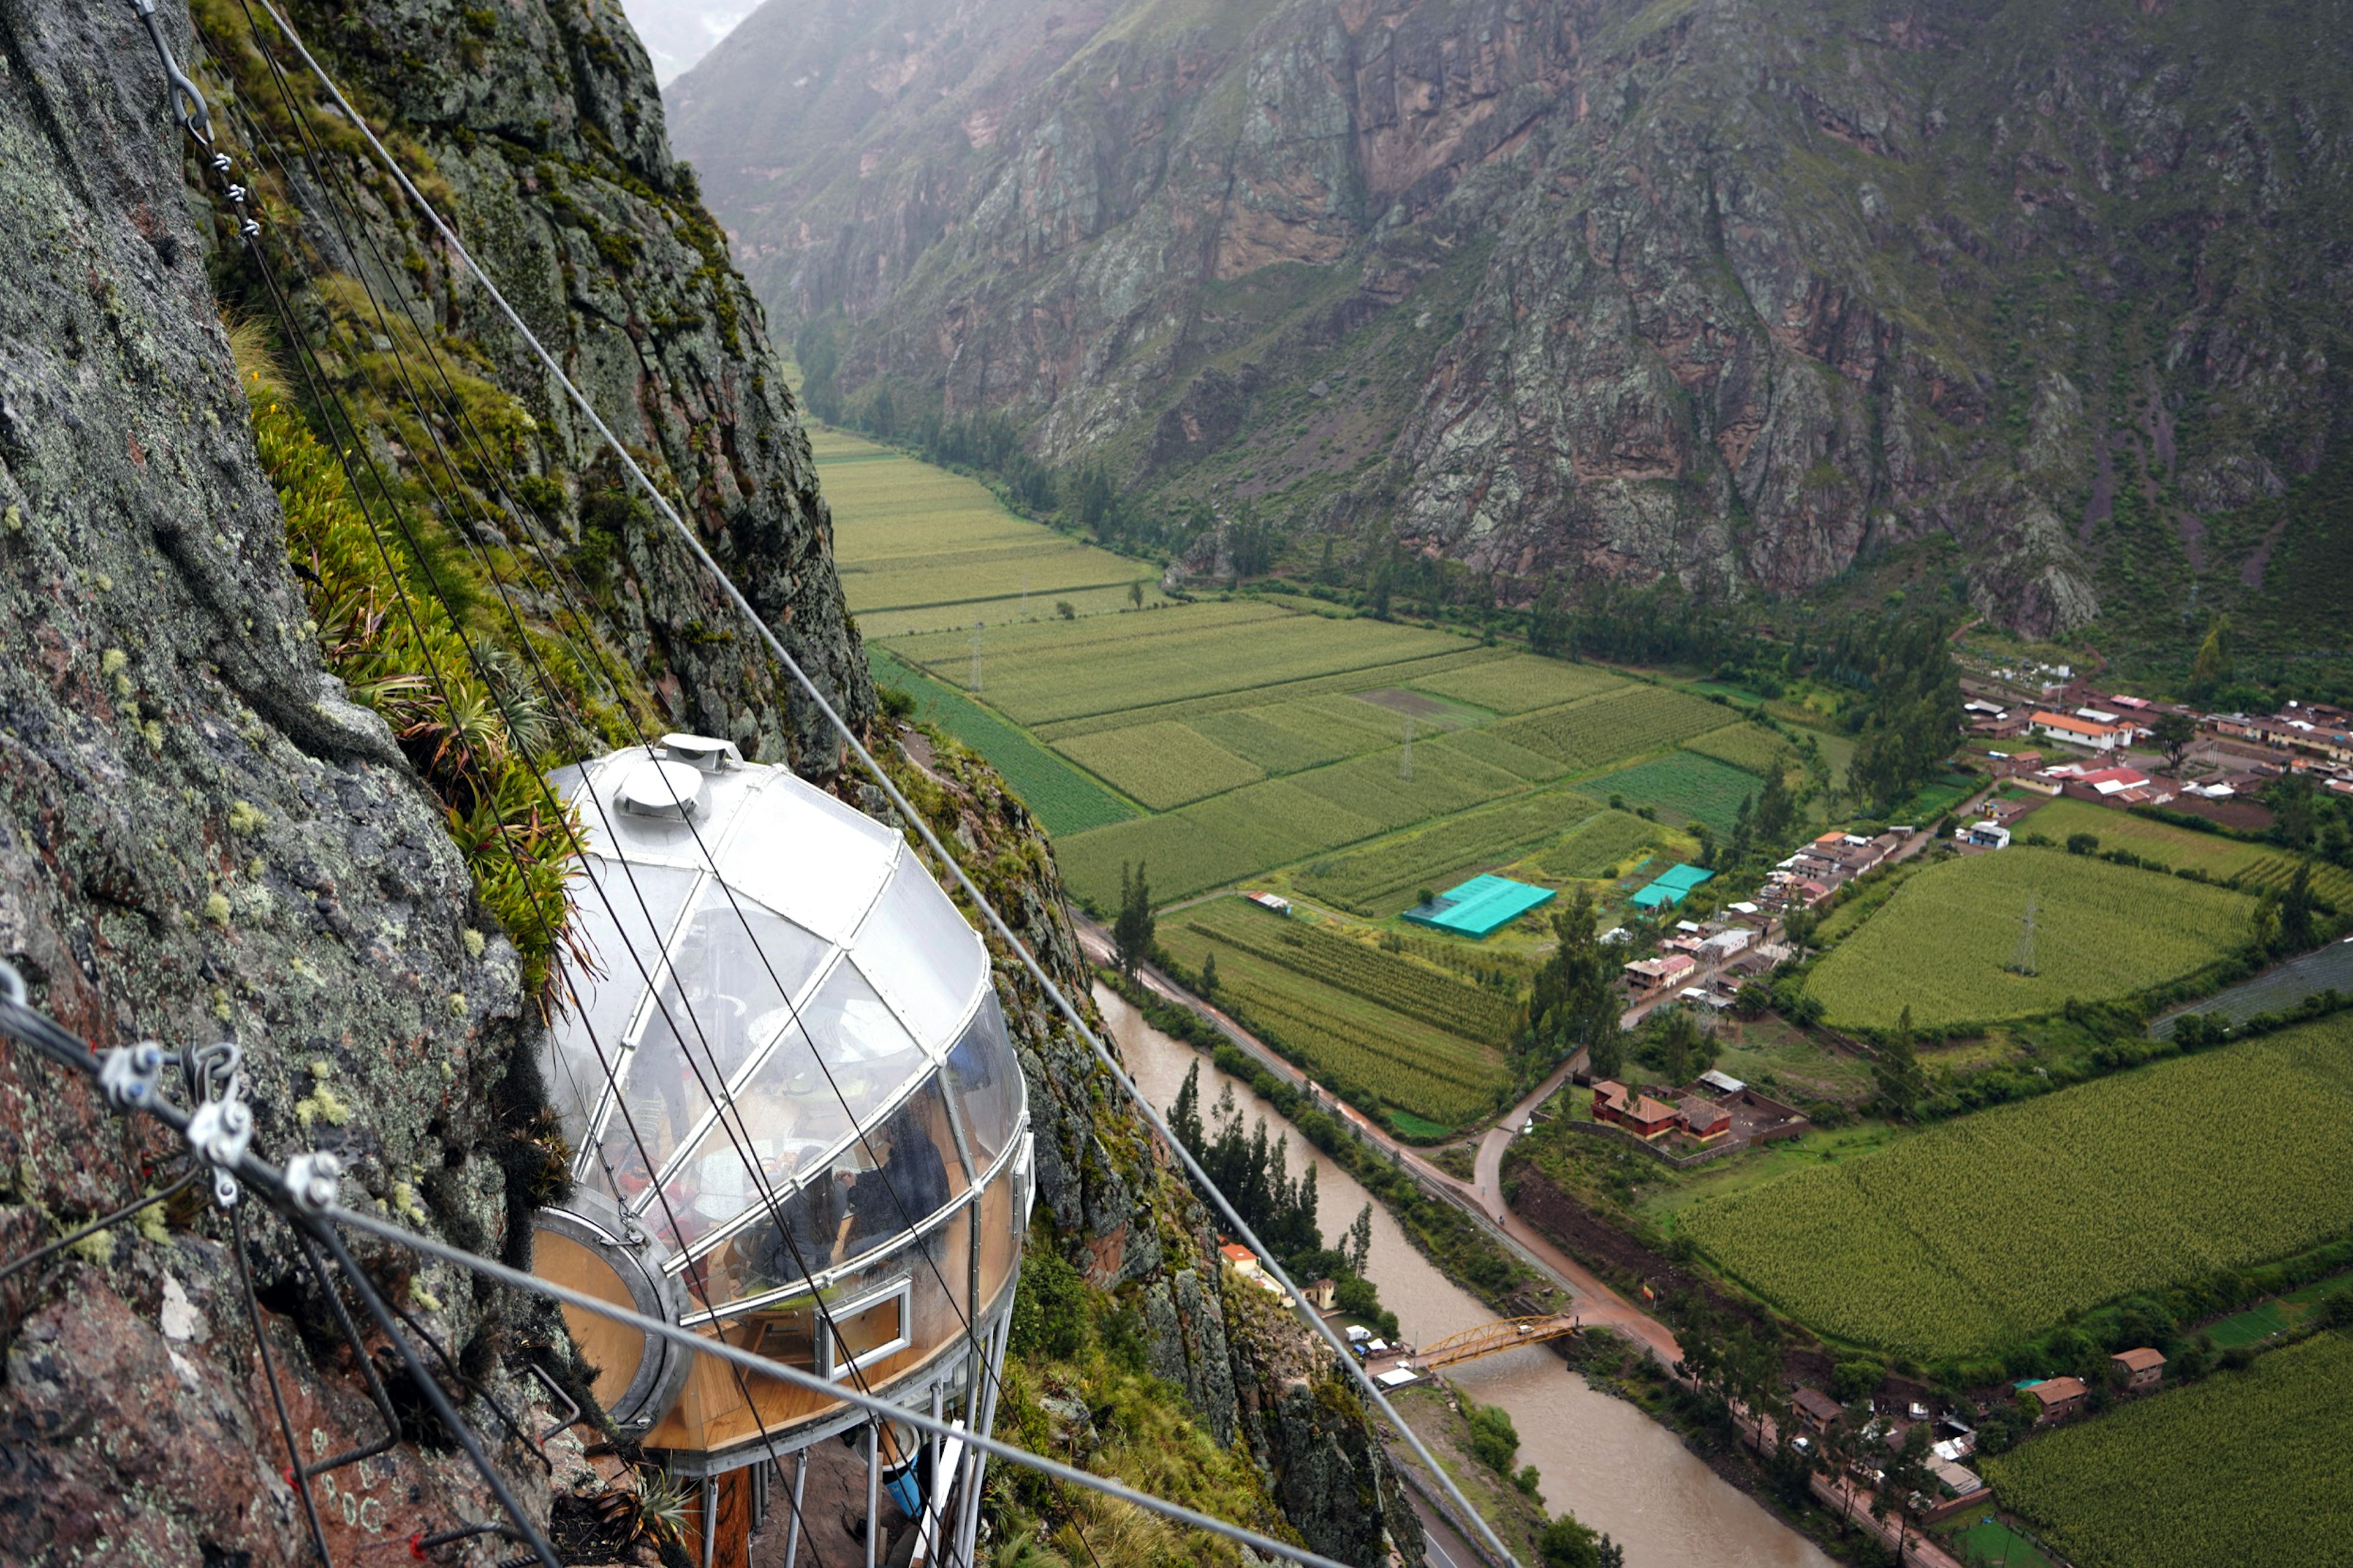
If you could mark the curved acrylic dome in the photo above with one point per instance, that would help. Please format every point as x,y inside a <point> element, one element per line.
<point>779,1007</point>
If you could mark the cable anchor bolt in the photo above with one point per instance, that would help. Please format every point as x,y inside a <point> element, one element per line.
<point>313,1181</point>
<point>219,1131</point>
<point>131,1077</point>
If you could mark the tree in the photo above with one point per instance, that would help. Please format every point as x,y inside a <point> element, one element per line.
<point>1358,1243</point>
<point>1064,608</point>
<point>1679,1045</point>
<point>2296,930</point>
<point>2264,922</point>
<point>1571,1006</point>
<point>2173,733</point>
<point>1897,1070</point>
<point>1565,1543</point>
<point>2214,661</point>
<point>1136,593</point>
<point>1798,926</point>
<point>1906,1473</point>
<point>1605,1056</point>
<point>1776,811</point>
<point>1184,1116</point>
<point>1130,933</point>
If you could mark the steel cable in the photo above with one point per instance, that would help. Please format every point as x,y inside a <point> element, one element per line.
<point>898,798</point>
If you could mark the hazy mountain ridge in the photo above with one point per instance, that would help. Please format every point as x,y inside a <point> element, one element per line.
<point>1732,291</point>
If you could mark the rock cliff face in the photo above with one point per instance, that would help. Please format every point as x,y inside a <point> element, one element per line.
<point>203,834</point>
<point>1736,291</point>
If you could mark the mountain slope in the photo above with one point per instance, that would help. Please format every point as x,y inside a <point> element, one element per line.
<point>205,834</point>
<point>1740,291</point>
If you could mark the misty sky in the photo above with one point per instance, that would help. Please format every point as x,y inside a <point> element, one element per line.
<point>679,32</point>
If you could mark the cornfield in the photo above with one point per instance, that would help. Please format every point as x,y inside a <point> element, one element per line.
<point>1396,983</point>
<point>1946,943</point>
<point>2247,1469</point>
<point>1383,879</point>
<point>1980,1231</point>
<point>1598,730</point>
<point>1163,766</point>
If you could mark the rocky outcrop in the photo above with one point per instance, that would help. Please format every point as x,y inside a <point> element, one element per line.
<point>1733,292</point>
<point>200,837</point>
<point>1310,1429</point>
<point>203,834</point>
<point>560,175</point>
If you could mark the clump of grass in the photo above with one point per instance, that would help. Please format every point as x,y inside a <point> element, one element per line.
<point>402,654</point>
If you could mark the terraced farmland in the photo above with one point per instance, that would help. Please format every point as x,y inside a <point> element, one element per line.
<point>2247,1469</point>
<point>1520,683</point>
<point>1209,843</point>
<point>1414,990</point>
<point>1952,932</point>
<point>1750,747</point>
<point>1382,879</point>
<point>1982,1230</point>
<point>1063,798</point>
<point>920,547</point>
<point>1287,737</point>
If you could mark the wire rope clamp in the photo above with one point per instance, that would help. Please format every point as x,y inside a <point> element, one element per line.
<point>132,1076</point>
<point>219,1132</point>
<point>314,1181</point>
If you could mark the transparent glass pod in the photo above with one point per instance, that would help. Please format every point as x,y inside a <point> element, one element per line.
<point>794,1117</point>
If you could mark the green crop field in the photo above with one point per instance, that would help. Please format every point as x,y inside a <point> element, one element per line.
<point>1383,879</point>
<point>1371,787</point>
<point>1688,785</point>
<point>1982,1230</point>
<point>2247,1469</point>
<point>1038,672</point>
<point>1479,745</point>
<point>920,547</point>
<point>1060,796</point>
<point>1415,990</point>
<point>1287,737</point>
<point>1945,943</point>
<point>1520,683</point>
<point>1209,843</point>
<point>1751,747</point>
<point>1609,842</point>
<point>2178,848</point>
<point>2275,871</point>
<point>1163,764</point>
<point>1285,694</point>
<point>1338,1034</point>
<point>1598,730</point>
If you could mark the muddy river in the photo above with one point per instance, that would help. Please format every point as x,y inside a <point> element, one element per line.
<point>1599,1458</point>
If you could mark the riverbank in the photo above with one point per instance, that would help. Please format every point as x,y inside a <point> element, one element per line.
<point>1599,1456</point>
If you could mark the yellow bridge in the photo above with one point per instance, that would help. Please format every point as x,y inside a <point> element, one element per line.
<point>1509,1333</point>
